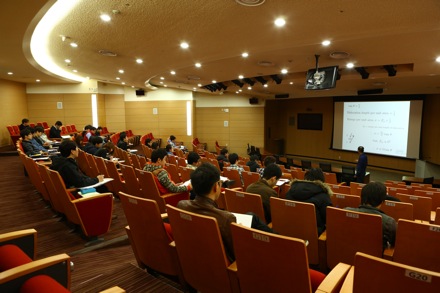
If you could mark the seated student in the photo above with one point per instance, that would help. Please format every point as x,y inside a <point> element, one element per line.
<point>233,159</point>
<point>313,190</point>
<point>223,157</point>
<point>35,143</point>
<point>169,149</point>
<point>154,146</point>
<point>172,141</point>
<point>106,151</point>
<point>148,142</point>
<point>38,133</point>
<point>372,196</point>
<point>264,187</point>
<point>24,124</point>
<point>193,160</point>
<point>266,162</point>
<point>66,165</point>
<point>123,141</point>
<point>93,145</point>
<point>253,164</point>
<point>78,139</point>
<point>28,147</point>
<point>164,183</point>
<point>55,130</point>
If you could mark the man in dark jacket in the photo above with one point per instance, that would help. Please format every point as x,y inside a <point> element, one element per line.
<point>95,143</point>
<point>313,190</point>
<point>55,130</point>
<point>28,147</point>
<point>69,171</point>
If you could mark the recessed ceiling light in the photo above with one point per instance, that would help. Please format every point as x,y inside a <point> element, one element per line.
<point>123,82</point>
<point>161,82</point>
<point>37,80</point>
<point>194,89</point>
<point>326,43</point>
<point>240,90</point>
<point>74,70</point>
<point>105,17</point>
<point>240,76</point>
<point>198,65</point>
<point>214,81</point>
<point>67,60</point>
<point>291,82</point>
<point>10,73</point>
<point>280,22</point>
<point>165,85</point>
<point>199,85</point>
<point>184,45</point>
<point>265,85</point>
<point>245,55</point>
<point>162,78</point>
<point>118,78</point>
<point>132,86</point>
<point>350,65</point>
<point>437,59</point>
<point>73,45</point>
<point>249,87</point>
<point>237,92</point>
<point>121,71</point>
<point>284,71</point>
<point>139,61</point>
<point>172,72</point>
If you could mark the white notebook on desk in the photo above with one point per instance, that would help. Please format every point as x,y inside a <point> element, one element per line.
<point>243,219</point>
<point>97,184</point>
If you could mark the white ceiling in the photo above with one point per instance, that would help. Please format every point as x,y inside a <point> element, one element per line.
<point>403,33</point>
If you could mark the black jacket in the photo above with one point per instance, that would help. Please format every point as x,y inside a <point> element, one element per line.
<point>314,192</point>
<point>28,148</point>
<point>90,148</point>
<point>54,133</point>
<point>70,172</point>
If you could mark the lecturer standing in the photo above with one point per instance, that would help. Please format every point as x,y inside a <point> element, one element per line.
<point>361,166</point>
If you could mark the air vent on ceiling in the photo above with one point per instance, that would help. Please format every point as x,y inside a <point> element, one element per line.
<point>193,77</point>
<point>265,63</point>
<point>339,55</point>
<point>107,53</point>
<point>250,2</point>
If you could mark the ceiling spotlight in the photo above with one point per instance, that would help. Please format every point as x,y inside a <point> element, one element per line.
<point>199,85</point>
<point>280,22</point>
<point>105,17</point>
<point>362,72</point>
<point>172,72</point>
<point>249,87</point>
<point>240,90</point>
<point>437,59</point>
<point>121,71</point>
<point>284,71</point>
<point>37,80</point>
<point>184,45</point>
<point>74,70</point>
<point>265,85</point>
<point>10,73</point>
<point>291,82</point>
<point>350,65</point>
<point>74,45</point>
<point>198,65</point>
<point>249,81</point>
<point>214,81</point>
<point>67,60</point>
<point>240,76</point>
<point>276,78</point>
<point>237,82</point>
<point>162,78</point>
<point>390,69</point>
<point>326,43</point>
<point>122,82</point>
<point>118,78</point>
<point>139,61</point>
<point>245,55</point>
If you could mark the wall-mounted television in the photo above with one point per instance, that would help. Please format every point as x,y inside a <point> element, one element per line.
<point>309,121</point>
<point>321,79</point>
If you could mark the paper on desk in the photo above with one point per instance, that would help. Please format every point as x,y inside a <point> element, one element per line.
<point>243,219</point>
<point>282,181</point>
<point>97,184</point>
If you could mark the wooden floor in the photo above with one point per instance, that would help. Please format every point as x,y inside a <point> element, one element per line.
<point>97,267</point>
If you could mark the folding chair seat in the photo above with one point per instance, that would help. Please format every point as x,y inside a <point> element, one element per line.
<point>296,219</point>
<point>93,214</point>
<point>232,174</point>
<point>283,189</point>
<point>100,164</point>
<point>55,200</point>
<point>249,178</point>
<point>256,251</point>
<point>174,173</point>
<point>142,161</point>
<point>437,216</point>
<point>214,162</point>
<point>35,177</point>
<point>172,160</point>
<point>340,189</point>
<point>150,191</point>
<point>349,232</point>
<point>356,188</point>
<point>118,182</point>
<point>417,245</point>
<point>206,268</point>
<point>69,129</point>
<point>422,205</point>
<point>398,210</point>
<point>181,162</point>
<point>298,174</point>
<point>45,125</point>
<point>150,241</point>
<point>330,178</point>
<point>132,184</point>
<point>341,201</point>
<point>135,161</point>
<point>83,163</point>
<point>185,173</point>
<point>393,191</point>
<point>243,202</point>
<point>373,274</point>
<point>94,171</point>
<point>435,195</point>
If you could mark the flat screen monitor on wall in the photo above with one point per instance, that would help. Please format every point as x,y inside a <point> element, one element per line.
<point>309,121</point>
<point>387,127</point>
<point>322,78</point>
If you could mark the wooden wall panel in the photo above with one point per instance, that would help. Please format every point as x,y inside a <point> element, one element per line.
<point>43,107</point>
<point>78,110</point>
<point>115,112</point>
<point>13,101</point>
<point>430,130</point>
